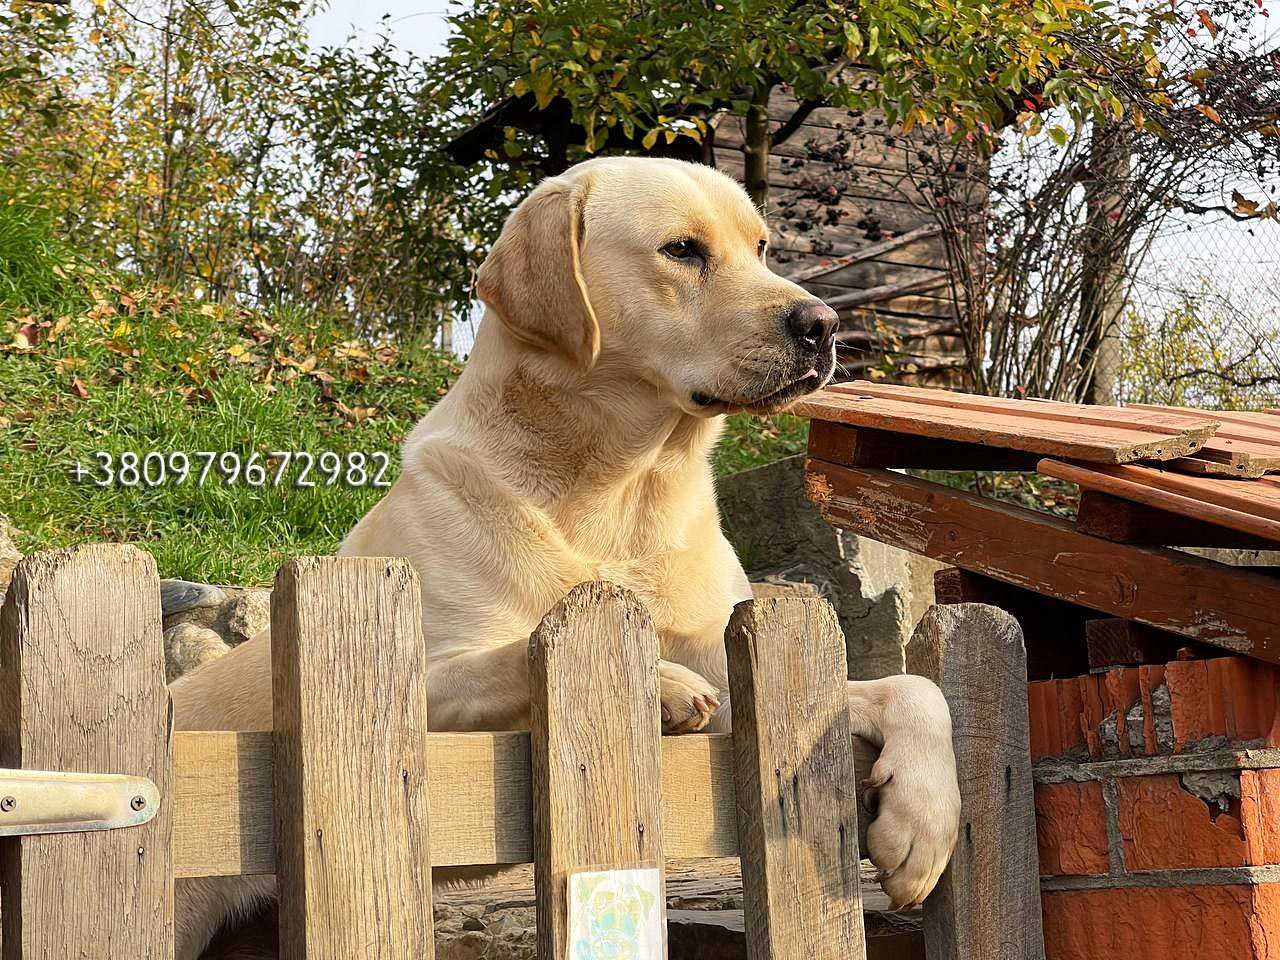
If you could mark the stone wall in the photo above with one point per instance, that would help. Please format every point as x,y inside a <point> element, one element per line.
<point>879,592</point>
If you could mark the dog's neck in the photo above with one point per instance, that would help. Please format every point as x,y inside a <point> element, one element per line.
<point>567,437</point>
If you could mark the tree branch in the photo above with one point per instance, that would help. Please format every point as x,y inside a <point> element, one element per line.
<point>794,122</point>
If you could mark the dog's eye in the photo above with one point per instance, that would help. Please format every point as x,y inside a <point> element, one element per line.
<point>686,250</point>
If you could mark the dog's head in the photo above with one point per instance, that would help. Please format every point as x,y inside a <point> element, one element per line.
<point>657,268</point>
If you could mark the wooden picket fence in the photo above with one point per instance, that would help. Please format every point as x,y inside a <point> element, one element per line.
<point>349,800</point>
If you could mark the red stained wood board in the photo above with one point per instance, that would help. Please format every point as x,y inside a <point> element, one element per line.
<point>1247,444</point>
<point>1197,598</point>
<point>1063,430</point>
<point>1250,506</point>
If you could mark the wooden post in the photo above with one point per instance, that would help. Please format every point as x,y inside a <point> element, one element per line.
<point>595,746</point>
<point>82,690</point>
<point>987,904</point>
<point>349,665</point>
<point>794,770</point>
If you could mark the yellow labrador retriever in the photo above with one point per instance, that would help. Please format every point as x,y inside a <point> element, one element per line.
<point>629,308</point>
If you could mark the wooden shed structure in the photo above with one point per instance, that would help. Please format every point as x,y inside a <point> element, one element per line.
<point>854,221</point>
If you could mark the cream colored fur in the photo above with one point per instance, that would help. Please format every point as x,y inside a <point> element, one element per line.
<point>575,446</point>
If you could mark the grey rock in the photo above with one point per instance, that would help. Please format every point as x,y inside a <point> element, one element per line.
<point>777,586</point>
<point>9,554</point>
<point>248,615</point>
<point>188,646</point>
<point>879,592</point>
<point>182,601</point>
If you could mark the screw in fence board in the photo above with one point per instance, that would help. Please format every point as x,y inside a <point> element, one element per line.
<point>595,746</point>
<point>987,904</point>
<point>795,775</point>
<point>349,674</point>
<point>82,689</point>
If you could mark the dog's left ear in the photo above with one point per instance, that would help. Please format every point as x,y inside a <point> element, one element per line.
<point>532,278</point>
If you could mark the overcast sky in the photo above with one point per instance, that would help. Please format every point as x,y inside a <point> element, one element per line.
<point>415,25</point>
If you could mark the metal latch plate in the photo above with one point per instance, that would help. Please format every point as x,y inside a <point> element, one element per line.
<point>40,801</point>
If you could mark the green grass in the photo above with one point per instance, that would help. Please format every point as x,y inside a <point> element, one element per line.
<point>754,441</point>
<point>92,360</point>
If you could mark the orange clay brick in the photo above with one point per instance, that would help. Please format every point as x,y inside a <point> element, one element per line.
<point>1165,827</point>
<point>1188,682</point>
<point>1071,829</point>
<point>1216,687</point>
<point>1232,698</point>
<point>1092,712</point>
<point>1070,710</point>
<point>1250,697</point>
<point>1037,691</point>
<point>1260,814</point>
<point>1235,922</point>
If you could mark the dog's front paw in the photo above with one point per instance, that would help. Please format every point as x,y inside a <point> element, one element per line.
<point>688,700</point>
<point>914,795</point>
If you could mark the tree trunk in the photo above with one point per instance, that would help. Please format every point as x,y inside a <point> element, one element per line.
<point>755,149</point>
<point>1103,283</point>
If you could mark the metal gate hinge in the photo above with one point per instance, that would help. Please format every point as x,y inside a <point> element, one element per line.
<point>40,801</point>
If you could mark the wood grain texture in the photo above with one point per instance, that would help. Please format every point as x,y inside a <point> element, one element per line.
<point>479,789</point>
<point>352,822</point>
<point>1249,506</point>
<point>83,691</point>
<point>595,747</point>
<point>1247,444</point>
<point>1167,421</point>
<point>1224,606</point>
<point>1012,424</point>
<point>797,808</point>
<point>987,904</point>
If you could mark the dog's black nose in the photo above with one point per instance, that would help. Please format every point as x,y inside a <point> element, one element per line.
<point>813,323</point>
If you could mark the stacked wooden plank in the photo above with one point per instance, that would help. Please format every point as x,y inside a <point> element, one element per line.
<point>1150,478</point>
<point>1076,431</point>
<point>1220,468</point>
<point>1246,443</point>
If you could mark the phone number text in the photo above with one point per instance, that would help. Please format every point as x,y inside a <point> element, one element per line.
<point>295,468</point>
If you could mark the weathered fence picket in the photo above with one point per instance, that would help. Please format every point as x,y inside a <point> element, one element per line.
<point>350,703</point>
<point>82,671</point>
<point>337,801</point>
<point>595,743</point>
<point>794,769</point>
<point>987,904</point>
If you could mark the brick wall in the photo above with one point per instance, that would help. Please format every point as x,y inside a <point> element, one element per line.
<point>1158,811</point>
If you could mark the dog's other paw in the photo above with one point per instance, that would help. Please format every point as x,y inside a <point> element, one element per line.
<point>914,794</point>
<point>688,700</point>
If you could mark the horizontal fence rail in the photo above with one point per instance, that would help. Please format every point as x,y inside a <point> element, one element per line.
<point>479,790</point>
